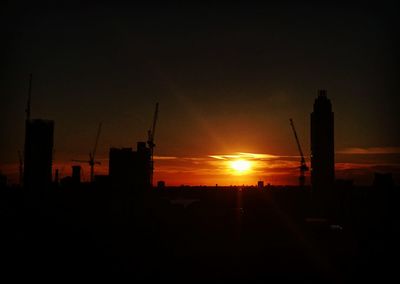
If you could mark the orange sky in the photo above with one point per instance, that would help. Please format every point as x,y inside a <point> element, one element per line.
<point>358,164</point>
<point>227,81</point>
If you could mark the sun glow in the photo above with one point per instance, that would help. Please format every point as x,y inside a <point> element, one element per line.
<point>240,166</point>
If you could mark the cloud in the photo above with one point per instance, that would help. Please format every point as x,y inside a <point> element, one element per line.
<point>242,155</point>
<point>370,150</point>
<point>275,169</point>
<point>164,158</point>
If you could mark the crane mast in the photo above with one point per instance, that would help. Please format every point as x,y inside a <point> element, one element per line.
<point>92,162</point>
<point>150,142</point>
<point>92,154</point>
<point>303,167</point>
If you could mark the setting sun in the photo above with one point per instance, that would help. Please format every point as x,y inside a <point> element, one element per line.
<point>241,166</point>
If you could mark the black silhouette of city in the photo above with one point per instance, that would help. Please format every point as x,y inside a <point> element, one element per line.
<point>123,225</point>
<point>127,224</point>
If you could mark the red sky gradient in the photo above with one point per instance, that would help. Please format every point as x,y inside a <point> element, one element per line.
<point>227,78</point>
<point>358,164</point>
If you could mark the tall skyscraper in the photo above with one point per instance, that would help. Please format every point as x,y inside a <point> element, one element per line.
<point>38,154</point>
<point>322,143</point>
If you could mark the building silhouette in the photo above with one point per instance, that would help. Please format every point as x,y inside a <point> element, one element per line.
<point>56,177</point>
<point>3,180</point>
<point>76,174</point>
<point>38,154</point>
<point>322,144</point>
<point>384,180</point>
<point>128,168</point>
<point>161,184</point>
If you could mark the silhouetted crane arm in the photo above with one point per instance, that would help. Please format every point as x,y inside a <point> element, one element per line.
<point>91,161</point>
<point>150,143</point>
<point>297,139</point>
<point>96,142</point>
<point>303,167</point>
<point>151,133</point>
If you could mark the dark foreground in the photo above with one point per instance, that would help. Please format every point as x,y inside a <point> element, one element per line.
<point>189,235</point>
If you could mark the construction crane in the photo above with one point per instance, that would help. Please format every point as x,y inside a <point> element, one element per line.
<point>92,154</point>
<point>150,142</point>
<point>303,167</point>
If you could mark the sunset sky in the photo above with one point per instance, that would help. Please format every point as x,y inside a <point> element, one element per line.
<point>227,78</point>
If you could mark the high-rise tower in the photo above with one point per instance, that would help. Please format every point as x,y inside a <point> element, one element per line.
<point>322,144</point>
<point>38,156</point>
<point>38,149</point>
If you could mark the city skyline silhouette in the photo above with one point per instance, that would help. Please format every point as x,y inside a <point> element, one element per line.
<point>230,75</point>
<point>225,166</point>
<point>180,142</point>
